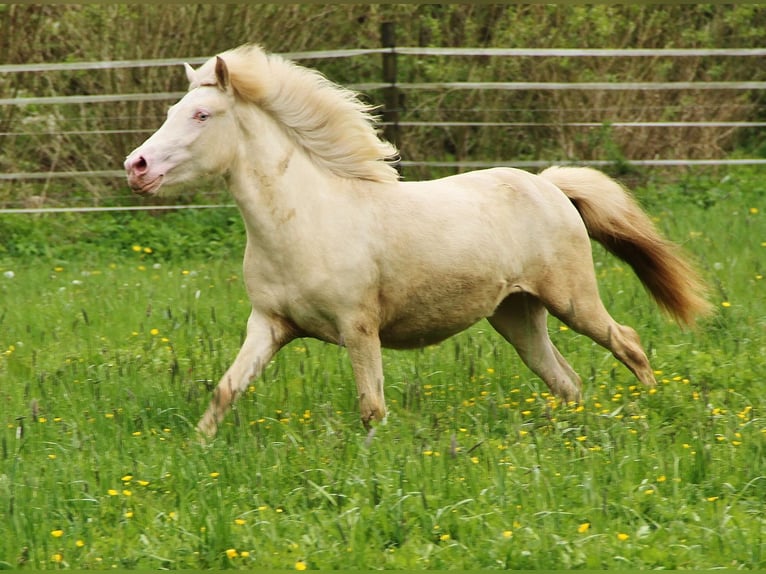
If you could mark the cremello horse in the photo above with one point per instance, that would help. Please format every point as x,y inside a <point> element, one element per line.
<point>339,249</point>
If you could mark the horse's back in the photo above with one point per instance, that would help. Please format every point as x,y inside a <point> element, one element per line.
<point>511,205</point>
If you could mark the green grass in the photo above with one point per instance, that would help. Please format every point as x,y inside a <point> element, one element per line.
<point>107,359</point>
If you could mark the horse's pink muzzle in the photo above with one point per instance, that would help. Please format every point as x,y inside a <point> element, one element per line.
<point>140,178</point>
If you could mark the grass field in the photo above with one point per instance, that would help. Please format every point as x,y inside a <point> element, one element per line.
<point>109,350</point>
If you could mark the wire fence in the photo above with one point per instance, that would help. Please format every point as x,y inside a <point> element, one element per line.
<point>27,101</point>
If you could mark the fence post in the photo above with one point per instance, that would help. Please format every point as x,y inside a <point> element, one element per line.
<point>390,113</point>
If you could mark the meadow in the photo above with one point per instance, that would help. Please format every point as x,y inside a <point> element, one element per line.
<point>114,329</point>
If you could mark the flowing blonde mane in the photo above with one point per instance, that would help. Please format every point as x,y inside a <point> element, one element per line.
<point>328,121</point>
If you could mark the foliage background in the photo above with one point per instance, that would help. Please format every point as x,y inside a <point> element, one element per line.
<point>65,33</point>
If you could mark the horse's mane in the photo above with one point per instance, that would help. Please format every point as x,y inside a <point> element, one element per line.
<point>328,121</point>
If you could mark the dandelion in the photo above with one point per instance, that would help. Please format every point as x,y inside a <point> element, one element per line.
<point>622,537</point>
<point>583,528</point>
<point>507,534</point>
<point>143,483</point>
<point>154,332</point>
<point>301,565</point>
<point>245,554</point>
<point>58,533</point>
<point>52,456</point>
<point>231,553</point>
<point>58,558</point>
<point>136,248</point>
<point>112,492</point>
<point>239,521</point>
<point>129,514</point>
<point>445,537</point>
<point>711,498</point>
<point>127,492</point>
<point>127,478</point>
<point>753,211</point>
<point>79,543</point>
<point>726,304</point>
<point>215,474</point>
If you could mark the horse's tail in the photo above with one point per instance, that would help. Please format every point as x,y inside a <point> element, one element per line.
<point>614,219</point>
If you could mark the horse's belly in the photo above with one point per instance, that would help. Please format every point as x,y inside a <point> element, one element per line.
<point>413,336</point>
<point>430,314</point>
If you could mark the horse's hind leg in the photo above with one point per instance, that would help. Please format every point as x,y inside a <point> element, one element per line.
<point>521,319</point>
<point>578,305</point>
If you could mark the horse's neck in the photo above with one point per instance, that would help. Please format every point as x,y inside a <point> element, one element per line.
<point>273,179</point>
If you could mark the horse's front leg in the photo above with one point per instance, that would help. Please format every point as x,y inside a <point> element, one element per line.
<point>265,337</point>
<point>363,346</point>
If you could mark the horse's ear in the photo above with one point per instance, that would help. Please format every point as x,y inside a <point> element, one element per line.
<point>190,75</point>
<point>221,73</point>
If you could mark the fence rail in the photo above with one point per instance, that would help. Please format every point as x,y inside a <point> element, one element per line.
<point>390,84</point>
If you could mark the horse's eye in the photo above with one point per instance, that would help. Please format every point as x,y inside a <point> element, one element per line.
<point>201,115</point>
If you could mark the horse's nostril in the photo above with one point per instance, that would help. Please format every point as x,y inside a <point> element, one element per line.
<point>137,166</point>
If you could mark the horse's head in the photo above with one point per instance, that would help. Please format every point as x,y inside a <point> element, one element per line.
<point>196,138</point>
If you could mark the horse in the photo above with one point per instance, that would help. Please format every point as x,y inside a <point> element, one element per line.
<point>340,249</point>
